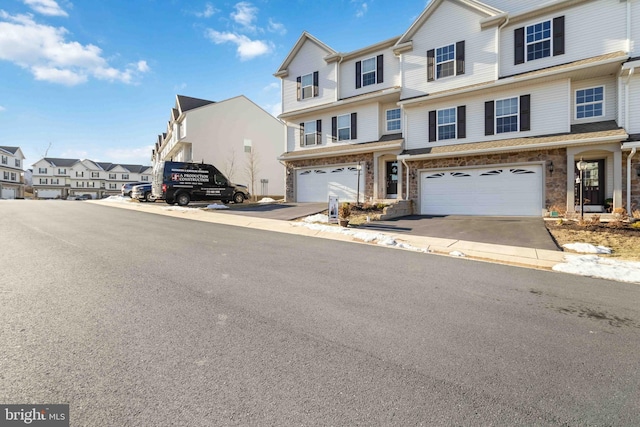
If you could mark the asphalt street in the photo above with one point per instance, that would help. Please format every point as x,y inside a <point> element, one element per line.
<point>137,319</point>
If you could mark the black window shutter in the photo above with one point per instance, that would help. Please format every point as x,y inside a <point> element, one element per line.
<point>488,118</point>
<point>318,131</point>
<point>354,125</point>
<point>315,83</point>
<point>301,134</point>
<point>431,61</point>
<point>518,45</point>
<point>558,35</point>
<point>432,126</point>
<point>462,121</point>
<point>334,128</point>
<point>460,57</point>
<point>525,112</point>
<point>358,75</point>
<point>299,80</point>
<point>380,69</point>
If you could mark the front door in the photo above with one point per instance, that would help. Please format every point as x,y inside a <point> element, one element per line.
<point>593,183</point>
<point>392,179</point>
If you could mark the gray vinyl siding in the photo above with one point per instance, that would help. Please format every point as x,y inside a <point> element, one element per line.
<point>610,98</point>
<point>309,59</point>
<point>449,24</point>
<point>634,104</point>
<point>550,106</point>
<point>348,72</point>
<point>592,29</point>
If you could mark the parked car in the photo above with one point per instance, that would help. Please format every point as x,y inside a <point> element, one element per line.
<point>142,193</point>
<point>180,182</point>
<point>126,188</point>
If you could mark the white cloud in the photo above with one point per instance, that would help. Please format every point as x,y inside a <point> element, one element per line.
<point>245,15</point>
<point>46,7</point>
<point>208,11</point>
<point>276,27</point>
<point>246,48</point>
<point>274,109</point>
<point>180,87</point>
<point>45,52</point>
<point>2,109</point>
<point>271,86</point>
<point>362,8</point>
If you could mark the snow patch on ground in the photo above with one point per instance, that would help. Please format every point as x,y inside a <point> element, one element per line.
<point>603,268</point>
<point>321,218</point>
<point>266,200</point>
<point>179,209</point>
<point>217,206</point>
<point>586,248</point>
<point>117,199</point>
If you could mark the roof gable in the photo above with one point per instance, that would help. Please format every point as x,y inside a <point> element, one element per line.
<point>64,163</point>
<point>484,10</point>
<point>186,103</point>
<point>304,38</point>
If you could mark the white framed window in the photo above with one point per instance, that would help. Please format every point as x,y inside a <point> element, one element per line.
<point>55,181</point>
<point>95,174</point>
<point>62,171</point>
<point>538,40</point>
<point>79,174</point>
<point>447,123</point>
<point>5,160</point>
<point>144,178</point>
<point>344,127</point>
<point>247,145</point>
<point>17,163</point>
<point>13,176</point>
<point>310,132</point>
<point>5,175</point>
<point>42,170</point>
<point>43,181</point>
<point>590,102</point>
<point>125,176</point>
<point>307,86</point>
<point>446,61</point>
<point>393,120</point>
<point>369,71</point>
<point>507,115</point>
<point>80,184</point>
<point>112,176</point>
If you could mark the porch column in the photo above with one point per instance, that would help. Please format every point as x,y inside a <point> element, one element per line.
<point>571,180</point>
<point>617,179</point>
<point>400,180</point>
<point>376,178</point>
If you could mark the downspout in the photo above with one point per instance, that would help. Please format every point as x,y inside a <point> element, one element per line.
<point>406,166</point>
<point>504,24</point>
<point>633,152</point>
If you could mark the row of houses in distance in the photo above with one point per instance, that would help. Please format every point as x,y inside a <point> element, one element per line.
<point>54,178</point>
<point>11,173</point>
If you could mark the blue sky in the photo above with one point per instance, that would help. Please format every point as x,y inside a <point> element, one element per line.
<point>97,79</point>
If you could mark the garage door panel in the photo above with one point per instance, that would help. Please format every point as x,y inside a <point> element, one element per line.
<point>515,191</point>
<point>316,185</point>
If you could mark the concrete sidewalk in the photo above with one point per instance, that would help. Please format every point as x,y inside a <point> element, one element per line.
<point>512,255</point>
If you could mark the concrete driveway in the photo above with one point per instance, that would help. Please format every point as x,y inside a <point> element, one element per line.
<point>511,231</point>
<point>281,211</point>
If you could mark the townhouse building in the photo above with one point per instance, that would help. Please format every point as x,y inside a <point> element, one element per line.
<point>11,173</point>
<point>55,178</point>
<point>236,135</point>
<point>479,108</point>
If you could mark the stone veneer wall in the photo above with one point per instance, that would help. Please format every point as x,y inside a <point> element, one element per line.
<point>365,159</point>
<point>555,183</point>
<point>635,181</point>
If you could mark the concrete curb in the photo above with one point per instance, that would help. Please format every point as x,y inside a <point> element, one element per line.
<point>511,255</point>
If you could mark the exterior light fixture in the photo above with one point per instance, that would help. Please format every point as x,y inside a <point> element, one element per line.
<point>582,166</point>
<point>550,167</point>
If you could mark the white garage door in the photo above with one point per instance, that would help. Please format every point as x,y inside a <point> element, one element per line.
<point>8,193</point>
<point>48,194</point>
<point>317,184</point>
<point>500,191</point>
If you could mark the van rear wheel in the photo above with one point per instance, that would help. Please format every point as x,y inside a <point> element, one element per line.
<point>238,198</point>
<point>183,199</point>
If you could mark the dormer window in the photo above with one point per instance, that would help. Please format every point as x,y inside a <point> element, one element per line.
<point>307,86</point>
<point>369,71</point>
<point>445,61</point>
